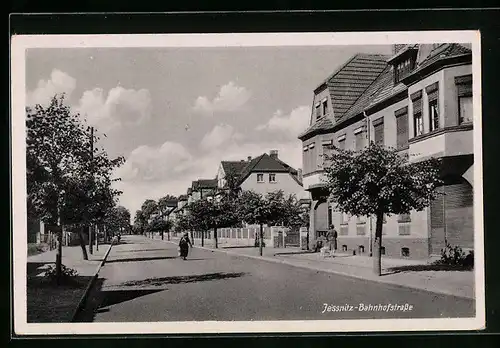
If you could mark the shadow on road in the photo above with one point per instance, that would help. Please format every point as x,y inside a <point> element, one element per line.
<point>183,279</point>
<point>113,297</point>
<point>137,259</point>
<point>138,250</point>
<point>424,268</point>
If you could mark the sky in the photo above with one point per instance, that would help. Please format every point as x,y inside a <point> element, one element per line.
<point>176,113</point>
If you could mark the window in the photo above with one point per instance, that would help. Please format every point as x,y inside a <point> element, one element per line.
<point>378,126</point>
<point>382,250</point>
<point>342,144</point>
<point>260,177</point>
<point>402,69</point>
<point>318,111</point>
<point>418,124</point>
<point>405,252</point>
<point>402,128</point>
<point>272,177</point>
<point>361,219</point>
<point>325,107</point>
<point>359,140</point>
<point>464,91</point>
<point>345,218</point>
<point>404,218</point>
<point>433,98</point>
<point>465,109</point>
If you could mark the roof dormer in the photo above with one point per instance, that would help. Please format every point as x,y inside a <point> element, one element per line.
<point>403,62</point>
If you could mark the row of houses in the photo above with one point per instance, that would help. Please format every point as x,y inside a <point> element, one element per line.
<point>419,101</point>
<point>262,174</point>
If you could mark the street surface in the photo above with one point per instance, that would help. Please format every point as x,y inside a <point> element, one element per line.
<point>144,280</point>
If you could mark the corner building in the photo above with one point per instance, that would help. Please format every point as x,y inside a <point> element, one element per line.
<point>418,101</point>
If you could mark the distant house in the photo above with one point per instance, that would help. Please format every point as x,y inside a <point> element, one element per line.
<point>201,189</point>
<point>263,174</point>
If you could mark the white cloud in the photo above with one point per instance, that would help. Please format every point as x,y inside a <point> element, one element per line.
<point>58,83</point>
<point>151,164</point>
<point>292,124</point>
<point>222,134</point>
<point>120,107</point>
<point>230,98</point>
<point>152,172</point>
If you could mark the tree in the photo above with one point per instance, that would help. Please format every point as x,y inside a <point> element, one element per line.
<point>117,219</point>
<point>257,209</point>
<point>378,181</point>
<point>165,208</point>
<point>140,222</point>
<point>57,163</point>
<point>149,208</point>
<point>199,217</point>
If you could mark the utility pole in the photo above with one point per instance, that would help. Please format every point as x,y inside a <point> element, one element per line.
<point>92,173</point>
<point>370,240</point>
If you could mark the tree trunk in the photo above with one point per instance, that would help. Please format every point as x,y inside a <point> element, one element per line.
<point>162,235</point>
<point>192,237</point>
<point>215,238</point>
<point>91,249</point>
<point>377,245</point>
<point>97,238</point>
<point>261,238</point>
<point>203,238</point>
<point>58,254</point>
<point>82,244</point>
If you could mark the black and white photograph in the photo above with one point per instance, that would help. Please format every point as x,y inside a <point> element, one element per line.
<point>234,183</point>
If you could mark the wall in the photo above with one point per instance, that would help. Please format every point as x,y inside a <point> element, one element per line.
<point>450,92</point>
<point>390,131</point>
<point>284,181</point>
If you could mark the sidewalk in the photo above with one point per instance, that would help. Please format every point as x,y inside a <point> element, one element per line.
<point>414,274</point>
<point>51,303</point>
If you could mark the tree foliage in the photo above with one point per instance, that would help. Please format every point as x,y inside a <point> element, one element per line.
<point>378,181</point>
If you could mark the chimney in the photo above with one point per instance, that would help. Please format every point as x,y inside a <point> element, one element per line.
<point>396,48</point>
<point>249,158</point>
<point>273,153</point>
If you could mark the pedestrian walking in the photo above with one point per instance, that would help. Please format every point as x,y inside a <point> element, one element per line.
<point>184,245</point>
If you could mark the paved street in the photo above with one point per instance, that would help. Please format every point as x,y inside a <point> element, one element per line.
<point>144,280</point>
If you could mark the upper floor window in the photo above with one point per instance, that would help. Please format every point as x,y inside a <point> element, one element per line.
<point>318,110</point>
<point>402,69</point>
<point>464,91</point>
<point>325,107</point>
<point>433,98</point>
<point>401,127</point>
<point>378,130</point>
<point>260,177</point>
<point>418,122</point>
<point>272,177</point>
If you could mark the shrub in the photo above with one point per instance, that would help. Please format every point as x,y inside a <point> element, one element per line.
<point>455,256</point>
<point>66,273</point>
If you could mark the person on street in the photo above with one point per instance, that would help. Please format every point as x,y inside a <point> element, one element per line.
<point>184,245</point>
<point>331,237</point>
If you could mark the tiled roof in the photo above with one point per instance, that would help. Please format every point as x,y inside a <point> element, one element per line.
<point>234,166</point>
<point>265,163</point>
<point>443,51</point>
<point>370,93</point>
<point>204,183</point>
<point>348,84</point>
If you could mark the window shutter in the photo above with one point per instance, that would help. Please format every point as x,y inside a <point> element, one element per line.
<point>379,134</point>
<point>402,130</point>
<point>464,85</point>
<point>432,91</point>
<point>417,106</point>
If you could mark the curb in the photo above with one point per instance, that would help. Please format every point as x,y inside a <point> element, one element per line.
<point>90,285</point>
<point>384,281</point>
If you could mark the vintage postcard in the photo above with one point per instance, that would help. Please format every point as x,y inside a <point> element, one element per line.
<point>247,183</point>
